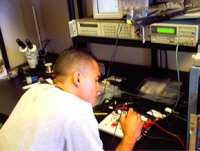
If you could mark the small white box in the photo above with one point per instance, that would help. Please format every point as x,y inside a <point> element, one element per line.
<point>3,72</point>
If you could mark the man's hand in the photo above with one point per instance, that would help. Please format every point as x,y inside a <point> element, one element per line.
<point>131,124</point>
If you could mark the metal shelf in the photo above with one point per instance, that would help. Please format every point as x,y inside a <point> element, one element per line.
<point>133,43</point>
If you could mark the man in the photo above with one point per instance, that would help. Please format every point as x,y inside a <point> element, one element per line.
<point>60,116</point>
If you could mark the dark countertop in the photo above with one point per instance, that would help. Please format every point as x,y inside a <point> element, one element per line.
<point>10,93</point>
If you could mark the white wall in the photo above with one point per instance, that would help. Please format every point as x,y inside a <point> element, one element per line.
<point>28,8</point>
<point>140,56</point>
<point>128,55</point>
<point>12,26</point>
<point>17,22</point>
<point>56,17</point>
<point>1,57</point>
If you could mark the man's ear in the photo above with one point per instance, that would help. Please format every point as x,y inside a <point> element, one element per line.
<point>77,78</point>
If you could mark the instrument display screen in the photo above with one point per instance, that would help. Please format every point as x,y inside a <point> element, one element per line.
<point>164,30</point>
<point>88,25</point>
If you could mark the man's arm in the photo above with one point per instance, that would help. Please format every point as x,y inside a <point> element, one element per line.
<point>131,126</point>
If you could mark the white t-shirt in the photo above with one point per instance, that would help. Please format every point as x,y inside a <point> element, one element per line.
<point>47,118</point>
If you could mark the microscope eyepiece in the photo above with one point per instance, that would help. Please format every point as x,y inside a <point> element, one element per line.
<point>20,43</point>
<point>29,44</point>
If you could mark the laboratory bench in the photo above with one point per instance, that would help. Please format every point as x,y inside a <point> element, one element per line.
<point>155,138</point>
<point>11,91</point>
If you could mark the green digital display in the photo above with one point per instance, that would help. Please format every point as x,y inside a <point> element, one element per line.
<point>166,30</point>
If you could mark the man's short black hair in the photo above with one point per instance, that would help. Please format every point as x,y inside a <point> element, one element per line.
<point>82,49</point>
<point>72,57</point>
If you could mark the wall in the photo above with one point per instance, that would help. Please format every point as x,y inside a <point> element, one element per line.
<point>56,17</point>
<point>1,57</point>
<point>12,26</point>
<point>128,55</point>
<point>141,56</point>
<point>29,7</point>
<point>17,22</point>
